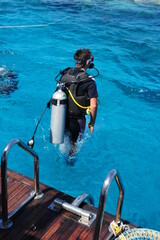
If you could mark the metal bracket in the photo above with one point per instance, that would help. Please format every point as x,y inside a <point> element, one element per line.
<point>86,217</point>
<point>116,228</point>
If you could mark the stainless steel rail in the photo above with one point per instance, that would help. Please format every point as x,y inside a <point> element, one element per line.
<point>103,196</point>
<point>5,222</point>
<point>81,198</point>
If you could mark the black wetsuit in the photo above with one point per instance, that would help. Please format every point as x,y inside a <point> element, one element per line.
<point>75,124</point>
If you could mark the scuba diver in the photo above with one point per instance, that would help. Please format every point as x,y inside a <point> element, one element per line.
<point>75,96</point>
<point>81,97</point>
<point>8,81</point>
<point>5,73</point>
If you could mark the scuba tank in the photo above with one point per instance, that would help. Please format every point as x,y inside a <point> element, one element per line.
<point>58,116</point>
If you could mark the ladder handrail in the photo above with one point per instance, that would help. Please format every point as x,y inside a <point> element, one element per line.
<point>4,196</point>
<point>103,196</point>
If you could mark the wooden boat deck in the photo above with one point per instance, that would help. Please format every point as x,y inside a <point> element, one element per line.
<point>36,221</point>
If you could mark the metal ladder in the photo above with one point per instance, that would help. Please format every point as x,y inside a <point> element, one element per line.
<point>87,217</point>
<point>5,222</point>
<point>102,201</point>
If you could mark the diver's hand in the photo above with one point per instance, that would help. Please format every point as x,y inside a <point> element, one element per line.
<point>91,128</point>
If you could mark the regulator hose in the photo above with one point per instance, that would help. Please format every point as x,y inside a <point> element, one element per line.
<point>31,141</point>
<point>84,107</point>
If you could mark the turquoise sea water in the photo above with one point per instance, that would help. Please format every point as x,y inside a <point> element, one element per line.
<point>38,39</point>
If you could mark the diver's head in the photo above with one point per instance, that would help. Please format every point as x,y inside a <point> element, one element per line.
<point>83,58</point>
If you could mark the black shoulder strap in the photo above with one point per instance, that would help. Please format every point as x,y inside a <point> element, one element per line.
<point>64,71</point>
<point>67,76</point>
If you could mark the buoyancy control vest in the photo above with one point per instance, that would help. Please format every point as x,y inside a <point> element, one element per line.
<point>72,81</point>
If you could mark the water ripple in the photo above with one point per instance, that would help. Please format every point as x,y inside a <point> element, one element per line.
<point>144,93</point>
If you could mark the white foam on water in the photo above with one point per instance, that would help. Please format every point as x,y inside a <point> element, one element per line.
<point>148,1</point>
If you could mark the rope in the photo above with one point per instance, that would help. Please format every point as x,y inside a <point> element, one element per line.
<point>27,26</point>
<point>139,233</point>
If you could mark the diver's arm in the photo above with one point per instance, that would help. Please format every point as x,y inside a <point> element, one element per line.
<point>93,109</point>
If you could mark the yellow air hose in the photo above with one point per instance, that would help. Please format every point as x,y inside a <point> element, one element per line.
<point>84,107</point>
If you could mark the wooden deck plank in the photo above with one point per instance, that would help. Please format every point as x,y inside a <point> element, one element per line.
<point>43,221</point>
<point>77,232</point>
<point>21,197</point>
<point>13,193</point>
<point>31,215</point>
<point>53,227</point>
<point>66,227</point>
<point>37,221</point>
<point>24,221</point>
